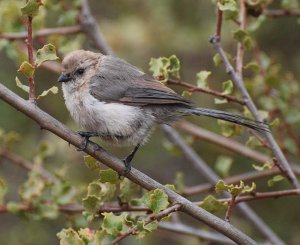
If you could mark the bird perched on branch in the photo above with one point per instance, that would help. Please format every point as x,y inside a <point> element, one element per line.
<point>119,103</point>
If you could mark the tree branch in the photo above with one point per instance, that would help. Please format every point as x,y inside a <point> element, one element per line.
<point>240,45</point>
<point>45,121</point>
<point>219,23</point>
<point>260,195</point>
<point>10,156</point>
<point>224,142</point>
<point>193,88</point>
<point>89,26</point>
<point>191,231</point>
<point>30,59</point>
<point>275,13</point>
<point>239,83</point>
<point>42,33</point>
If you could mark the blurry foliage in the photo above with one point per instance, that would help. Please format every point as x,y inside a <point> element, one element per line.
<point>151,28</point>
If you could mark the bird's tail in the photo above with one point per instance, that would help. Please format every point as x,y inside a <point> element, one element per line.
<point>234,118</point>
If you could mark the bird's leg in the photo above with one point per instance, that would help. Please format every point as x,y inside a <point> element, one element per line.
<point>86,136</point>
<point>128,159</point>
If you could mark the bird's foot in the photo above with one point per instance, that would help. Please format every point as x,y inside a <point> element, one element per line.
<point>127,166</point>
<point>86,139</point>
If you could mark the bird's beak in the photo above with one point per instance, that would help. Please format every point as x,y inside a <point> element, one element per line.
<point>64,78</point>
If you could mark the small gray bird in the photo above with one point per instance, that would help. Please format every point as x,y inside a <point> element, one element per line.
<point>119,103</point>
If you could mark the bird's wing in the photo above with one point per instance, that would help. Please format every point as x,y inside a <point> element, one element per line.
<point>120,82</point>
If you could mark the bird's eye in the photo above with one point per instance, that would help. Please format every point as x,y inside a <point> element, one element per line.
<point>80,71</point>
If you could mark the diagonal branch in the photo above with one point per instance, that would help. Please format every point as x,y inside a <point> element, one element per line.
<point>193,88</point>
<point>45,121</point>
<point>239,83</point>
<point>222,141</point>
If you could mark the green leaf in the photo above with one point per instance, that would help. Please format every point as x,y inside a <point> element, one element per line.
<point>253,142</point>
<point>171,187</point>
<point>22,86</point>
<point>227,129</point>
<point>252,66</point>
<point>201,79</point>
<point>239,35</point>
<point>156,200</point>
<point>144,229</point>
<point>32,188</point>
<point>186,93</point>
<point>174,66</point>
<point>249,189</point>
<point>63,192</point>
<point>266,166</point>
<point>230,5</point>
<point>223,165</point>
<point>163,67</point>
<point>92,204</point>
<point>113,224</point>
<point>3,190</point>
<point>275,180</point>
<point>88,236</point>
<point>128,189</point>
<point>248,43</point>
<point>98,193</point>
<point>102,190</point>
<point>26,69</point>
<point>275,123</point>
<point>48,210</point>
<point>31,8</point>
<point>179,182</point>
<point>227,87</point>
<point>220,101</point>
<point>53,90</point>
<point>69,237</point>
<point>109,175</point>
<point>14,207</point>
<point>91,162</point>
<point>211,204</point>
<point>46,53</point>
<point>217,59</point>
<point>234,190</point>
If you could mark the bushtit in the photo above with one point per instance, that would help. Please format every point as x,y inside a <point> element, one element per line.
<point>119,103</point>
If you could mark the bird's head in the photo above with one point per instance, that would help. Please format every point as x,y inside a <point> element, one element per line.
<point>77,66</point>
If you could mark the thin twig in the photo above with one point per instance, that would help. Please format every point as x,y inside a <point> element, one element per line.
<point>230,144</point>
<point>260,195</point>
<point>150,219</point>
<point>193,88</point>
<point>76,208</point>
<point>239,83</point>
<point>14,158</point>
<point>229,210</point>
<point>219,24</point>
<point>30,59</point>
<point>275,13</point>
<point>188,191</point>
<point>89,26</point>
<point>240,45</point>
<point>196,232</point>
<point>42,33</point>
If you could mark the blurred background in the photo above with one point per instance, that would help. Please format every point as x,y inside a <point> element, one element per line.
<point>137,31</point>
